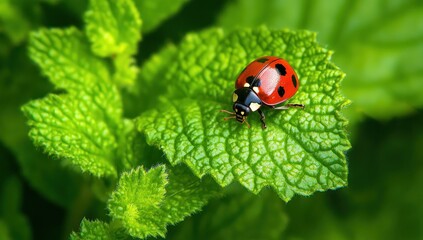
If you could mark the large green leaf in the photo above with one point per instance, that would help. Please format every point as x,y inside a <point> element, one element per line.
<point>82,126</point>
<point>302,151</point>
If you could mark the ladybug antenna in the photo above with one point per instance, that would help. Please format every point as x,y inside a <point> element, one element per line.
<point>234,116</point>
<point>229,112</point>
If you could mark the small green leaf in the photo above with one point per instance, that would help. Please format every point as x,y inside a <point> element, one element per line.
<point>82,126</point>
<point>302,151</point>
<point>92,230</point>
<point>155,12</point>
<point>137,198</point>
<point>113,27</point>
<point>125,70</point>
<point>146,202</point>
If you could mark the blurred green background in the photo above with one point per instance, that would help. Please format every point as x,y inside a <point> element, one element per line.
<point>378,44</point>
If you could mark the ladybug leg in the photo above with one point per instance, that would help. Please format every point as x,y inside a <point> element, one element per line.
<point>248,125</point>
<point>262,117</point>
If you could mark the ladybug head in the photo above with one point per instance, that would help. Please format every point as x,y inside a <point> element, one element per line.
<point>241,111</point>
<point>245,101</point>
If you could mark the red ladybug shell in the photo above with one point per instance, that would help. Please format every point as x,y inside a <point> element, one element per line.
<point>272,78</point>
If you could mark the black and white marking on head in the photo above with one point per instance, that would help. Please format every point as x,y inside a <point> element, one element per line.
<point>234,97</point>
<point>281,91</point>
<point>262,60</point>
<point>256,90</point>
<point>281,69</point>
<point>294,80</point>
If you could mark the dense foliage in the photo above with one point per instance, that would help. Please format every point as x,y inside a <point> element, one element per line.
<point>110,125</point>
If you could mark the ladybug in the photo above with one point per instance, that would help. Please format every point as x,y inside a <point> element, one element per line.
<point>266,81</point>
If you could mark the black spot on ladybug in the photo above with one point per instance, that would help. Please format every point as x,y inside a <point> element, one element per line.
<point>250,80</point>
<point>253,81</point>
<point>294,80</point>
<point>262,60</point>
<point>281,69</point>
<point>281,91</point>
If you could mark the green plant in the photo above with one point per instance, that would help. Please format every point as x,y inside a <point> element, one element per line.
<point>301,152</point>
<point>121,101</point>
